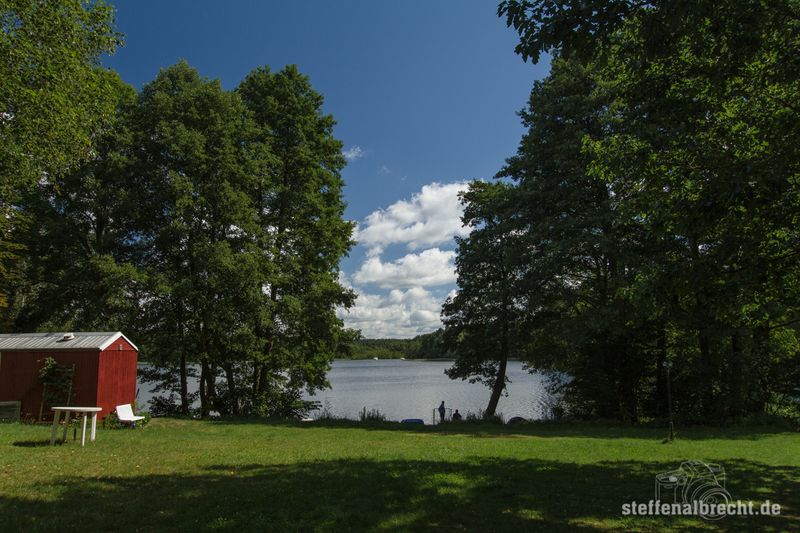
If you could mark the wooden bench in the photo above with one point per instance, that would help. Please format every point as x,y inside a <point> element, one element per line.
<point>9,411</point>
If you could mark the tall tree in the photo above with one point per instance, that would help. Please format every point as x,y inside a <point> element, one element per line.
<point>699,144</point>
<point>53,99</point>
<point>482,320</point>
<point>300,212</point>
<point>199,237</point>
<point>78,271</point>
<point>706,132</point>
<point>53,96</point>
<point>577,259</point>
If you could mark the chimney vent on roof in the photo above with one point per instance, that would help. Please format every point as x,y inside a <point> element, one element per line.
<point>68,337</point>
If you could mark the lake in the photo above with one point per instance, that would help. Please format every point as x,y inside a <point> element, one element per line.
<point>413,389</point>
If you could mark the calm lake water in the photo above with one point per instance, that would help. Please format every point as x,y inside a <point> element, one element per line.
<point>412,389</point>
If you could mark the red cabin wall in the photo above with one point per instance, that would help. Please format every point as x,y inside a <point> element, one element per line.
<point>116,378</point>
<point>19,379</point>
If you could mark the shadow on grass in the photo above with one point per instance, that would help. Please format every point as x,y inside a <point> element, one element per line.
<point>538,429</point>
<point>364,495</point>
<point>34,443</point>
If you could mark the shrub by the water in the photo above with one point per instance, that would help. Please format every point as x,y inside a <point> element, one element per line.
<point>372,415</point>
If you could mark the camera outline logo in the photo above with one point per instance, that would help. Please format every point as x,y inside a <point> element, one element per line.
<point>696,481</point>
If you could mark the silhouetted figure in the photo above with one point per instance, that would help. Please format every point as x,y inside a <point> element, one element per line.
<point>441,411</point>
<point>456,416</point>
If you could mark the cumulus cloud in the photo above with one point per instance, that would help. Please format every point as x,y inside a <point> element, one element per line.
<point>431,267</point>
<point>431,217</point>
<point>398,314</point>
<point>399,303</point>
<point>353,153</point>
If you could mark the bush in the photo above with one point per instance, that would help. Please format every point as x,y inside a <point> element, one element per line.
<point>373,415</point>
<point>283,403</point>
<point>112,421</point>
<point>326,412</point>
<point>481,418</point>
<point>786,407</point>
<point>171,405</point>
<point>553,408</point>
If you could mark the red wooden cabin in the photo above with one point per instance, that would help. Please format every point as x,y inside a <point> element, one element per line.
<point>104,376</point>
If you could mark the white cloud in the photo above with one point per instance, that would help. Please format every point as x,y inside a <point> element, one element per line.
<point>432,216</point>
<point>426,224</point>
<point>353,153</point>
<point>398,314</point>
<point>431,267</point>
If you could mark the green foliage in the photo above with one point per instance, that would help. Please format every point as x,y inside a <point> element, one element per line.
<point>572,28</point>
<point>209,225</point>
<point>481,320</point>
<point>56,380</point>
<point>425,346</point>
<point>325,412</point>
<point>53,96</point>
<point>198,238</point>
<point>482,417</point>
<point>112,421</point>
<point>78,272</point>
<point>658,194</point>
<point>54,99</point>
<point>276,402</point>
<point>300,214</point>
<point>380,348</point>
<point>371,415</point>
<point>240,197</point>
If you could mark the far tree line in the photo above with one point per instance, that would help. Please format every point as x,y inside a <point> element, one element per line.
<point>426,346</point>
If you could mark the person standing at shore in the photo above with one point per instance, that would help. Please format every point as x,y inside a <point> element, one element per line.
<point>441,411</point>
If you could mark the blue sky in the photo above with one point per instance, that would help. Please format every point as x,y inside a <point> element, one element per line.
<point>425,95</point>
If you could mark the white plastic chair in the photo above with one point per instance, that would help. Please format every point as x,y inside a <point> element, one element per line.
<point>125,414</point>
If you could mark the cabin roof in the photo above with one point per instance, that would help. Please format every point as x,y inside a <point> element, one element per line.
<point>82,340</point>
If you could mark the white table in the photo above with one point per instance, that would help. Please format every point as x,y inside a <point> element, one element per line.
<point>67,410</point>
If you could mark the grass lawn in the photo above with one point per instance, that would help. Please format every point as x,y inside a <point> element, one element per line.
<point>249,476</point>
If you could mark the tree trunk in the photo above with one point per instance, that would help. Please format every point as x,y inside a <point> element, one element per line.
<point>211,390</point>
<point>184,383</point>
<point>233,397</point>
<point>204,407</point>
<point>184,379</point>
<point>627,375</point>
<point>736,378</point>
<point>497,389</point>
<point>263,382</point>
<point>256,379</point>
<point>500,379</point>
<point>761,351</point>
<point>661,375</point>
<point>706,374</point>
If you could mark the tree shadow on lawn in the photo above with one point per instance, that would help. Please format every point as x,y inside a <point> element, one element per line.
<point>536,429</point>
<point>35,443</point>
<point>365,495</point>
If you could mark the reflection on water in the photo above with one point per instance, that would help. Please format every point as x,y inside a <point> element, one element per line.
<point>412,389</point>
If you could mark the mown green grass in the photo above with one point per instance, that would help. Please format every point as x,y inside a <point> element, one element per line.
<point>248,476</point>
